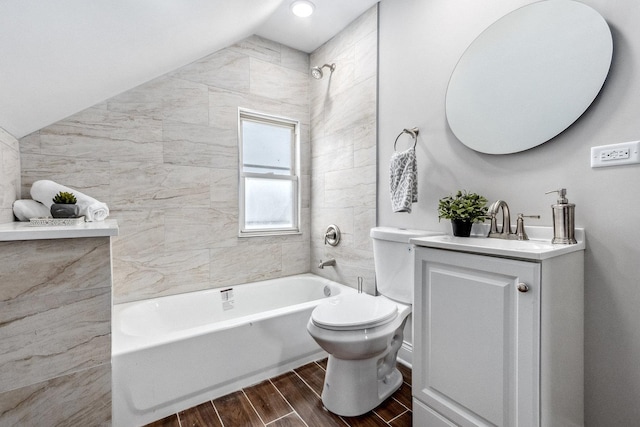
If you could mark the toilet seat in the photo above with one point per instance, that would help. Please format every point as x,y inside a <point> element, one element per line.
<point>353,312</point>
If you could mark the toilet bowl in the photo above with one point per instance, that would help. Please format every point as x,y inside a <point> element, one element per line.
<point>361,370</point>
<point>363,333</point>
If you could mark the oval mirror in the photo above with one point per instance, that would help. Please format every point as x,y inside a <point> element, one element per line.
<point>528,76</point>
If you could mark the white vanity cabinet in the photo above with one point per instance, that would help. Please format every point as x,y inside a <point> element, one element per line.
<point>498,337</point>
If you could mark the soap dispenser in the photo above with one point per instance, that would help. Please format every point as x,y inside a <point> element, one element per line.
<point>563,219</point>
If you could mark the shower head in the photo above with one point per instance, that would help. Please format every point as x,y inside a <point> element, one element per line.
<point>316,72</point>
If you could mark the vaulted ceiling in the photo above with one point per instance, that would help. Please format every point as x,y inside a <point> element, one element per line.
<point>59,57</point>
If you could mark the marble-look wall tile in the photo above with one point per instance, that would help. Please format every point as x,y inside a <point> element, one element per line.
<point>199,145</point>
<point>68,332</point>
<point>90,176</point>
<point>223,184</point>
<point>365,145</point>
<point>260,48</point>
<point>105,135</point>
<point>352,107</point>
<point>366,57</point>
<point>38,268</point>
<point>8,140</point>
<point>294,59</point>
<point>140,231</point>
<point>147,185</point>
<point>158,274</point>
<point>55,324</point>
<point>334,152</point>
<point>79,399</point>
<point>350,188</point>
<point>282,84</point>
<point>225,69</point>
<point>9,175</point>
<point>229,265</point>
<point>164,156</point>
<point>200,228</point>
<point>343,158</point>
<point>296,258</point>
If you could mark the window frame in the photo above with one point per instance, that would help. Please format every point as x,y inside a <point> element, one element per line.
<point>269,119</point>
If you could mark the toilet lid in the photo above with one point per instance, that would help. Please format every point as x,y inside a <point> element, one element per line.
<point>354,311</point>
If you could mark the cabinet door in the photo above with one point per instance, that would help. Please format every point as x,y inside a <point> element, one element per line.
<point>476,338</point>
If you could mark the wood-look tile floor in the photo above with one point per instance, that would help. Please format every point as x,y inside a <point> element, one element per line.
<point>291,400</point>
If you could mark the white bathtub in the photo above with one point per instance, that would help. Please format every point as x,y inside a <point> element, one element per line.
<point>171,353</point>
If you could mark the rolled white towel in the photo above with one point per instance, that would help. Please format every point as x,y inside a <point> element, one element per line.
<point>26,209</point>
<point>45,190</point>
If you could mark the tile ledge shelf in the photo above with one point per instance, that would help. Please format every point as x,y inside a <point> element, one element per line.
<point>14,231</point>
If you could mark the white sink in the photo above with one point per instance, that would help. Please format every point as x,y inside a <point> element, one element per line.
<point>538,247</point>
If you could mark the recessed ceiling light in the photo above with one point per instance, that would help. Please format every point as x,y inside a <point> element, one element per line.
<point>302,8</point>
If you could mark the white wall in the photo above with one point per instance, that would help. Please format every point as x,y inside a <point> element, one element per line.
<point>420,43</point>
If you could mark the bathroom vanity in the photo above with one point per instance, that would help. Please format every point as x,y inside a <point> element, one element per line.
<point>498,331</point>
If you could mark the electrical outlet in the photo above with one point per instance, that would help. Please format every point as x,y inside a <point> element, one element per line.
<point>623,153</point>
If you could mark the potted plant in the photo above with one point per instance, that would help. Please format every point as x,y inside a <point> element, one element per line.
<point>463,210</point>
<point>64,206</point>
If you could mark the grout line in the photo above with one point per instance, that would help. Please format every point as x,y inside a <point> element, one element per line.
<point>307,384</point>
<point>254,408</point>
<point>404,406</point>
<point>285,415</point>
<point>397,416</point>
<point>282,395</point>
<point>217,413</point>
<point>293,411</point>
<point>383,420</point>
<point>288,403</point>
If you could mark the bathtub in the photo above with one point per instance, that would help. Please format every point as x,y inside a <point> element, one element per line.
<point>172,353</point>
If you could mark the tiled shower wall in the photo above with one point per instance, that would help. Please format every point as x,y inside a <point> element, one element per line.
<point>343,151</point>
<point>164,157</point>
<point>9,175</point>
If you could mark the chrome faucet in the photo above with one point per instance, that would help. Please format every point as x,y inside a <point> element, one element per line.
<point>505,231</point>
<point>520,233</point>
<point>327,263</point>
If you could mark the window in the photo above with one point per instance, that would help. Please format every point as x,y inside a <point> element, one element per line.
<point>269,182</point>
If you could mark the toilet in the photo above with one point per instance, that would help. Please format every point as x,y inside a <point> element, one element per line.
<point>363,333</point>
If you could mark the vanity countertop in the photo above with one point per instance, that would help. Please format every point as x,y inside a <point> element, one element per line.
<point>13,231</point>
<point>538,247</point>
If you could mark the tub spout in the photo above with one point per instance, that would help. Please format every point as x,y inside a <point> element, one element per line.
<point>326,263</point>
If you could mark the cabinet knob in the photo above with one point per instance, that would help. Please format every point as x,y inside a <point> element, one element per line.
<point>522,287</point>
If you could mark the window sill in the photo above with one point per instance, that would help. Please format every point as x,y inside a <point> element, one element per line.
<point>269,233</point>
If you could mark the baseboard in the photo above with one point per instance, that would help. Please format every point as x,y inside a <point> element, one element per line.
<point>405,354</point>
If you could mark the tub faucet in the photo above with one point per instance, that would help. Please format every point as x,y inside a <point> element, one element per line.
<point>505,231</point>
<point>327,263</point>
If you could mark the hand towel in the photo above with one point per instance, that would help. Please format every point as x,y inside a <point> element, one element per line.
<point>93,210</point>
<point>26,209</point>
<point>403,171</point>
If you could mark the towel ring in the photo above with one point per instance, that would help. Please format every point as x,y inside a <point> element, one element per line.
<point>414,134</point>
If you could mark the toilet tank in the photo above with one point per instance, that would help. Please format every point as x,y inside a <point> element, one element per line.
<point>393,259</point>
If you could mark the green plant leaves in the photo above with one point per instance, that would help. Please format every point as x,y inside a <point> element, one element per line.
<point>64,198</point>
<point>463,206</point>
